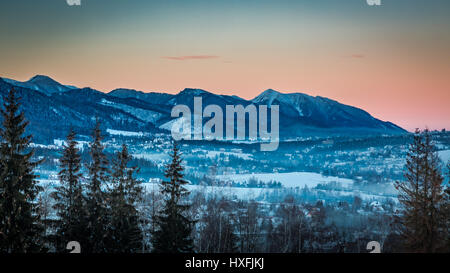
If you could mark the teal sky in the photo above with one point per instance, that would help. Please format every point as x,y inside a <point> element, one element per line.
<point>391,60</point>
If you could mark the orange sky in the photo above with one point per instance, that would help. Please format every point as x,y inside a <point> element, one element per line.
<point>392,61</point>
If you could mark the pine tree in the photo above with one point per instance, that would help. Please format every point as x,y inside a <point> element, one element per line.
<point>447,190</point>
<point>97,198</point>
<point>20,231</point>
<point>173,232</point>
<point>447,208</point>
<point>125,232</point>
<point>69,200</point>
<point>422,220</point>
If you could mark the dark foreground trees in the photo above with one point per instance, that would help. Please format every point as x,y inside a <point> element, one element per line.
<point>423,220</point>
<point>216,232</point>
<point>70,204</point>
<point>125,233</point>
<point>19,223</point>
<point>96,204</point>
<point>100,210</point>
<point>173,231</point>
<point>96,195</point>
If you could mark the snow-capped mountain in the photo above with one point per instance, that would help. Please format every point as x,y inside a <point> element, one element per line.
<point>321,112</point>
<point>53,109</point>
<point>187,95</point>
<point>151,97</point>
<point>43,84</point>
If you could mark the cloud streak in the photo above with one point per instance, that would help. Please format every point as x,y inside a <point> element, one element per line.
<point>357,56</point>
<point>193,57</point>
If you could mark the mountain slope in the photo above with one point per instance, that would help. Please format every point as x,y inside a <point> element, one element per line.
<point>43,84</point>
<point>320,112</point>
<point>53,116</point>
<point>53,109</point>
<point>152,97</point>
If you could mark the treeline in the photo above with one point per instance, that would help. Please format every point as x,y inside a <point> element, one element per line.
<point>96,202</point>
<point>100,204</point>
<point>99,210</point>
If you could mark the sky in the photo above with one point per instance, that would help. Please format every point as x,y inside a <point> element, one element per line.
<point>391,60</point>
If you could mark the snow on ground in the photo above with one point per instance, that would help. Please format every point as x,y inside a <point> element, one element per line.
<point>366,196</point>
<point>37,145</point>
<point>232,192</point>
<point>288,180</point>
<point>143,114</point>
<point>152,156</point>
<point>237,193</point>
<point>124,133</point>
<point>180,126</point>
<point>213,154</point>
<point>178,123</point>
<point>61,142</point>
<point>444,155</point>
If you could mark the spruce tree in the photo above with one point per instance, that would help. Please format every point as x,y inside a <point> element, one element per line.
<point>447,188</point>
<point>97,203</point>
<point>125,233</point>
<point>20,231</point>
<point>173,227</point>
<point>447,208</point>
<point>69,200</point>
<point>423,220</point>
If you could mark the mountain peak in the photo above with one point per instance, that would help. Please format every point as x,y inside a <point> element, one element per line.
<point>150,97</point>
<point>124,91</point>
<point>41,83</point>
<point>41,78</point>
<point>270,91</point>
<point>300,114</point>
<point>194,91</point>
<point>267,96</point>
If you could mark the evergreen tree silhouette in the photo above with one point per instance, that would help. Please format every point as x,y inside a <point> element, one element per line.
<point>125,233</point>
<point>20,230</point>
<point>423,221</point>
<point>96,194</point>
<point>70,203</point>
<point>173,227</point>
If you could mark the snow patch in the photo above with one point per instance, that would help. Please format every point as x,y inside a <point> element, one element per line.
<point>288,180</point>
<point>124,133</point>
<point>444,155</point>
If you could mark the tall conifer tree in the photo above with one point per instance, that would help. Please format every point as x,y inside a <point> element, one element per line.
<point>97,203</point>
<point>447,208</point>
<point>69,200</point>
<point>20,231</point>
<point>125,233</point>
<point>173,232</point>
<point>423,220</point>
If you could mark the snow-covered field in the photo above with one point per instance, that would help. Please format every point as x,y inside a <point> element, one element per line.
<point>294,182</point>
<point>213,154</point>
<point>236,193</point>
<point>444,155</point>
<point>288,180</point>
<point>152,156</point>
<point>143,114</point>
<point>231,192</point>
<point>124,133</point>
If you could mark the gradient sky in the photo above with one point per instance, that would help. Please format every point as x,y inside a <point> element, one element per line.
<point>393,61</point>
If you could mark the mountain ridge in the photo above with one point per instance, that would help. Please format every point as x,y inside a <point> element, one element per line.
<point>41,83</point>
<point>128,109</point>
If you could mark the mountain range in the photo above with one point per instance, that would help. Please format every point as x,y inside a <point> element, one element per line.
<point>53,108</point>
